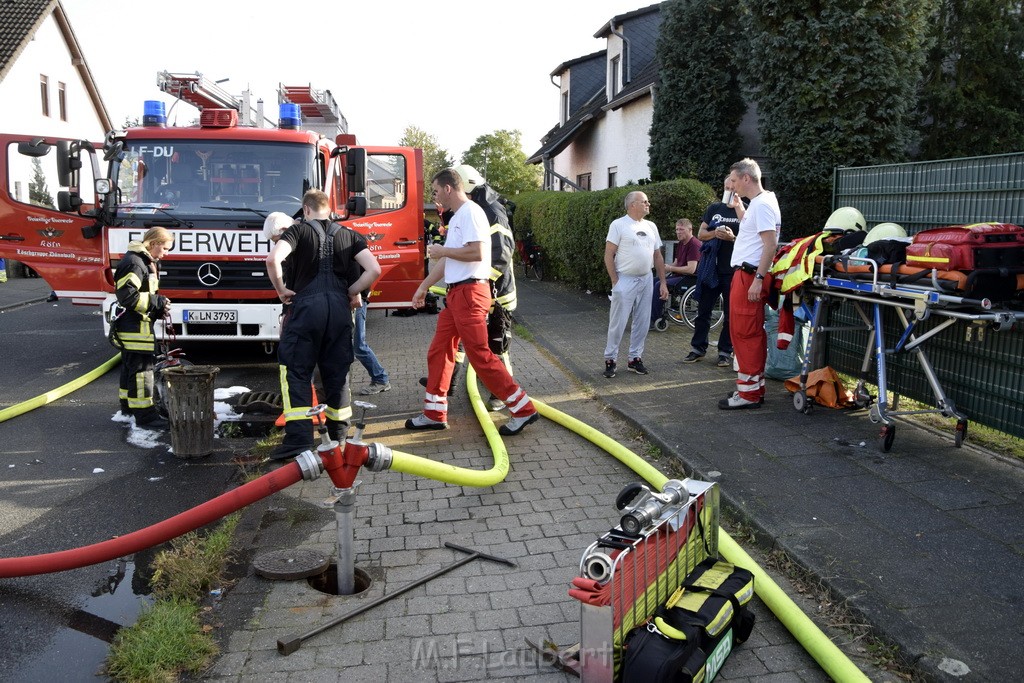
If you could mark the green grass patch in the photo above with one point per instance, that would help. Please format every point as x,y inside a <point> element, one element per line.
<point>522,332</point>
<point>168,639</point>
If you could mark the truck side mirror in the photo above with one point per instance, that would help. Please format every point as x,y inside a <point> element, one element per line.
<point>68,162</point>
<point>68,201</point>
<point>356,206</point>
<point>34,148</point>
<point>355,169</point>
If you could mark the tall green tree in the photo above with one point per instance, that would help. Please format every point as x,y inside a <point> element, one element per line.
<point>835,84</point>
<point>973,80</point>
<point>38,193</point>
<point>697,106</point>
<point>500,158</point>
<point>435,157</point>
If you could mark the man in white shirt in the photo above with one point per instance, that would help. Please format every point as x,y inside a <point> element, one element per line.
<point>752,258</point>
<point>631,248</point>
<point>463,262</point>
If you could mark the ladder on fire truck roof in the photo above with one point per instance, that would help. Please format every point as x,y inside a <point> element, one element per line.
<point>315,105</point>
<point>197,90</point>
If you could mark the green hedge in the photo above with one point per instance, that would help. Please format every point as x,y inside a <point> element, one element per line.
<point>571,227</point>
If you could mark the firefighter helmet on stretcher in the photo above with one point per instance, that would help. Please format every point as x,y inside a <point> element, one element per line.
<point>845,219</point>
<point>885,231</point>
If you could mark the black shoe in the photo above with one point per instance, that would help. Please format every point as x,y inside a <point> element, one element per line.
<point>517,424</point>
<point>285,451</point>
<point>636,365</point>
<point>609,369</point>
<point>150,419</point>
<point>52,297</point>
<point>693,357</point>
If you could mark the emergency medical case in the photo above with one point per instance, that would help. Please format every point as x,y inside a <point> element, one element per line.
<point>968,247</point>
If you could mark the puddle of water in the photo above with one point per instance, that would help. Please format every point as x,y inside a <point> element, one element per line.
<point>77,652</point>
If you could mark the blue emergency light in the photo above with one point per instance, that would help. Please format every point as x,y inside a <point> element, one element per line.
<point>153,113</point>
<point>289,115</point>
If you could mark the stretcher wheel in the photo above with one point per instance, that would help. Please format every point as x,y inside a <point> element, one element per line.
<point>960,433</point>
<point>801,402</point>
<point>886,437</point>
<point>661,324</point>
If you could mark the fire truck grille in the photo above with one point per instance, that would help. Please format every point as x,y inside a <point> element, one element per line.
<point>214,275</point>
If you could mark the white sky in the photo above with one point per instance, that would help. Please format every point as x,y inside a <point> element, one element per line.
<point>388,63</point>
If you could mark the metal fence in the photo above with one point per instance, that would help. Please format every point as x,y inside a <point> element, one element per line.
<point>983,373</point>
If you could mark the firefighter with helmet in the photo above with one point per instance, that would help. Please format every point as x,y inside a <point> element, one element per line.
<point>131,330</point>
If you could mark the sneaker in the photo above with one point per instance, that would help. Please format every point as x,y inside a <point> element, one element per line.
<point>733,393</point>
<point>693,357</point>
<point>285,451</point>
<point>609,369</point>
<point>494,404</point>
<point>376,388</point>
<point>636,365</point>
<point>736,402</point>
<point>724,360</point>
<point>421,421</point>
<point>517,424</point>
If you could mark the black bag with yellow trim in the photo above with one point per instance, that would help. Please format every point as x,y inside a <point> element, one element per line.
<point>714,599</point>
<point>653,655</point>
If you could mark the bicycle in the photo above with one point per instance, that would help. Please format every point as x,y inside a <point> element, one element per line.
<point>531,256</point>
<point>681,308</point>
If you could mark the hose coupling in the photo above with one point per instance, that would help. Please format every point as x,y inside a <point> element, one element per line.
<point>379,457</point>
<point>597,566</point>
<point>310,465</point>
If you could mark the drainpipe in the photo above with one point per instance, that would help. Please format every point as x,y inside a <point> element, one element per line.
<point>627,69</point>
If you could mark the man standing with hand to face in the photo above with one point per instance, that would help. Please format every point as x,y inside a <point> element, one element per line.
<point>464,264</point>
<point>752,258</point>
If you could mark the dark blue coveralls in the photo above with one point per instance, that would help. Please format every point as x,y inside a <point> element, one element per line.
<point>317,331</point>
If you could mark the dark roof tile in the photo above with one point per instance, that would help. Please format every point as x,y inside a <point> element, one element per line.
<point>21,19</point>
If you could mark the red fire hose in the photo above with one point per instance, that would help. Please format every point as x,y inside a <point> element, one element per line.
<point>156,534</point>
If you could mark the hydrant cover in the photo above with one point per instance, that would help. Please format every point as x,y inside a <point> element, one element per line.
<point>285,565</point>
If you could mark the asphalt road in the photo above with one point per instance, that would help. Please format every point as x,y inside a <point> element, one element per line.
<point>70,476</point>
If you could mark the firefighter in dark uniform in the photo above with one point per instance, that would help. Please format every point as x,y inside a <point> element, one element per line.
<point>322,290</point>
<point>138,305</point>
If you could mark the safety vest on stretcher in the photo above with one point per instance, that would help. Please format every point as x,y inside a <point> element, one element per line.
<point>794,265</point>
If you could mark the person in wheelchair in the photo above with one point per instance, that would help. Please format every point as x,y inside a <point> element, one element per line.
<point>680,273</point>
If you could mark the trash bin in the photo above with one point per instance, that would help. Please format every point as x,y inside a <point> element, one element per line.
<point>189,399</point>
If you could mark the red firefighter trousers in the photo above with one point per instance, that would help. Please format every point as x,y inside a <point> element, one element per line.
<point>465,318</point>
<point>749,338</point>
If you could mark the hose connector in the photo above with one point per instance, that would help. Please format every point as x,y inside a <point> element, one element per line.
<point>598,567</point>
<point>643,506</point>
<point>310,464</point>
<point>379,457</point>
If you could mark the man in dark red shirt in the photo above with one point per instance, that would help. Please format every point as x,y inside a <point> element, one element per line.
<point>683,266</point>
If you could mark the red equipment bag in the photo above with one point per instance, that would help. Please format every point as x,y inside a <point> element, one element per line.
<point>968,247</point>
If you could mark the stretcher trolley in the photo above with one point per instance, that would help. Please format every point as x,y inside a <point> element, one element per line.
<point>914,295</point>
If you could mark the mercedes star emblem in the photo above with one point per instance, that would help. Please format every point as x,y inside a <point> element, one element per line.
<point>209,274</point>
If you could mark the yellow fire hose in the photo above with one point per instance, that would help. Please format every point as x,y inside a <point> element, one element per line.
<point>59,392</point>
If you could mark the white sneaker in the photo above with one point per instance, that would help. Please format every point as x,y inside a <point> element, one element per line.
<point>736,402</point>
<point>421,421</point>
<point>517,424</point>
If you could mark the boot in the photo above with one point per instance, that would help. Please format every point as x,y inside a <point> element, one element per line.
<point>149,418</point>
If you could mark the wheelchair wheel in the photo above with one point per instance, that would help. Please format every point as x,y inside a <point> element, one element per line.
<point>688,310</point>
<point>661,324</point>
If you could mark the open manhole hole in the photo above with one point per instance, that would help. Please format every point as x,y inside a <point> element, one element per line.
<point>327,582</point>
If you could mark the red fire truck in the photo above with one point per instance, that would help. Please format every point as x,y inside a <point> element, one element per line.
<point>212,185</point>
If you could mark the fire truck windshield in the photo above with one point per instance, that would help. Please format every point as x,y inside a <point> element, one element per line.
<point>196,178</point>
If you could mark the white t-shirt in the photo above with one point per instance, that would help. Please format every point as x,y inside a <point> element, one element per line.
<point>636,242</point>
<point>762,215</point>
<point>469,224</point>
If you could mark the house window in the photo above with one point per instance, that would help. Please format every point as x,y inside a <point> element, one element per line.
<point>615,75</point>
<point>583,180</point>
<point>613,176</point>
<point>62,101</point>
<point>44,93</point>
<point>565,106</point>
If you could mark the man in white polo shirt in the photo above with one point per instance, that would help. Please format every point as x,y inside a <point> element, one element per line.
<point>752,258</point>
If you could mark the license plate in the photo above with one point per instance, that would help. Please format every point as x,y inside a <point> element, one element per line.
<point>205,316</point>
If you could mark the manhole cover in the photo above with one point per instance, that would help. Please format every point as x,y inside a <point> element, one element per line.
<point>290,564</point>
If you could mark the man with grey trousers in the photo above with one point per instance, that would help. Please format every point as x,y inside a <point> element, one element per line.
<point>632,247</point>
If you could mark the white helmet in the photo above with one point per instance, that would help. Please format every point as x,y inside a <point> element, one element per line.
<point>845,219</point>
<point>275,223</point>
<point>471,178</point>
<point>885,231</point>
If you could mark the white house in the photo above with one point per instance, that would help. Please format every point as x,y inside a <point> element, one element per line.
<point>606,107</point>
<point>45,83</point>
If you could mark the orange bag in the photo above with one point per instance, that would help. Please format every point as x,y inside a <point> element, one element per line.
<point>825,387</point>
